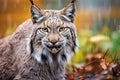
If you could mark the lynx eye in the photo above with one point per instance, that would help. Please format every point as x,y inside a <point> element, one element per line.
<point>45,29</point>
<point>62,29</point>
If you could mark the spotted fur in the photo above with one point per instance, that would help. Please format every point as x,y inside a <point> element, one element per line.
<point>40,47</point>
<point>53,21</point>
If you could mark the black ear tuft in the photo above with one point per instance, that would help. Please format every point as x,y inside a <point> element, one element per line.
<point>31,1</point>
<point>73,1</point>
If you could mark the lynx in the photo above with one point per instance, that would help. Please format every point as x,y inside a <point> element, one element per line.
<point>40,47</point>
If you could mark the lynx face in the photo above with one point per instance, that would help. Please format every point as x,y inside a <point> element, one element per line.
<point>53,36</point>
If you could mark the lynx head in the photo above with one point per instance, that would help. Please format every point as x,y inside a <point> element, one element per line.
<point>53,36</point>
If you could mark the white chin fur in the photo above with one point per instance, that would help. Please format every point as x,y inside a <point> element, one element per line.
<point>67,54</point>
<point>37,54</point>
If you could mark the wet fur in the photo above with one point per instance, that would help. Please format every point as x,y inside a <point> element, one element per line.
<point>16,64</point>
<point>24,57</point>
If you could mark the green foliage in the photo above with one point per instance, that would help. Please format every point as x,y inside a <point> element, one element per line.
<point>116,41</point>
<point>90,41</point>
<point>78,57</point>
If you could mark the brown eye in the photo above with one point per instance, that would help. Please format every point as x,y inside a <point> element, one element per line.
<point>62,29</point>
<point>45,29</point>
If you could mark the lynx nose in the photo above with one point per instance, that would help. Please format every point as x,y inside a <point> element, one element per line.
<point>53,39</point>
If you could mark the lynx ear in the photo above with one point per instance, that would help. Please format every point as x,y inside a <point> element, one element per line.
<point>69,10</point>
<point>36,13</point>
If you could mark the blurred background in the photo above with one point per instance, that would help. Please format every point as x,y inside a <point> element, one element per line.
<point>97,23</point>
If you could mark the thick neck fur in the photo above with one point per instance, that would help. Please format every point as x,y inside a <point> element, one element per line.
<point>24,56</point>
<point>16,64</point>
<point>31,70</point>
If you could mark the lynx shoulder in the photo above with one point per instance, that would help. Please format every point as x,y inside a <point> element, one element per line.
<point>39,48</point>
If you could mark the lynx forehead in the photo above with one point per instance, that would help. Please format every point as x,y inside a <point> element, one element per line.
<point>54,22</point>
<point>54,14</point>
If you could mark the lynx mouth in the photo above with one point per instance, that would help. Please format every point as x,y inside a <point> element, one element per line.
<point>54,48</point>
